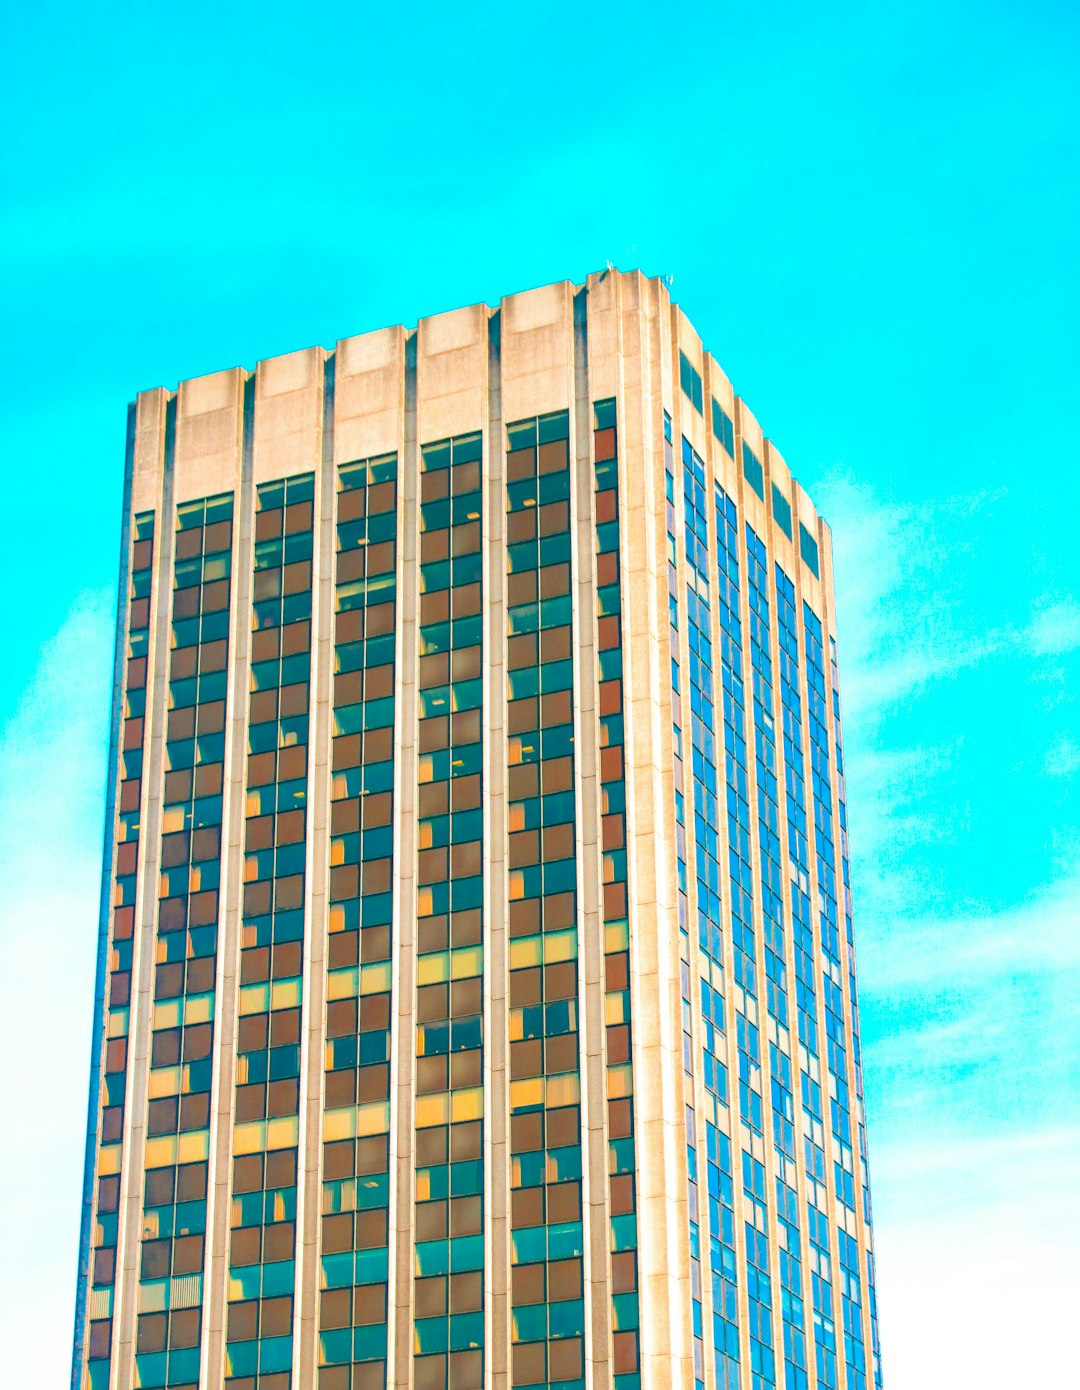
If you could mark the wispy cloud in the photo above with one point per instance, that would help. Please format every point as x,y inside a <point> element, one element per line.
<point>909,602</point>
<point>973,1021</point>
<point>959,680</point>
<point>1039,936</point>
<point>1055,628</point>
<point>1062,758</point>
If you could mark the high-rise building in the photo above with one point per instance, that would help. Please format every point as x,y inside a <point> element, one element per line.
<point>476,979</point>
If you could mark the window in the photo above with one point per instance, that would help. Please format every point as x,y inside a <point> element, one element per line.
<point>178,1112</point>
<point>723,427</point>
<point>620,1082</point>
<point>690,381</point>
<point>545,1123</point>
<point>448,1326</point>
<point>781,508</point>
<point>356,1177</point>
<point>808,549</point>
<point>271,958</point>
<point>753,471</point>
<point>118,995</point>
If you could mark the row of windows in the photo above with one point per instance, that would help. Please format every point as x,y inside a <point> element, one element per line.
<point>622,1165</point>
<point>178,1112</point>
<point>262,1244</point>
<point>356,1118</point>
<point>546,1216</point>
<point>706,877</point>
<point>693,553</point>
<point>762,1354</point>
<point>727,1333</point>
<point>448,1330</point>
<point>782,1107</point>
<point>781,1072</point>
<point>117,1003</point>
<point>753,471</point>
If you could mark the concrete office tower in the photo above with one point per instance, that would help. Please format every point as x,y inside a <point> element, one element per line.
<point>477,992</point>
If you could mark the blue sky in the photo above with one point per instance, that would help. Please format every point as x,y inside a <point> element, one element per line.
<point>870,214</point>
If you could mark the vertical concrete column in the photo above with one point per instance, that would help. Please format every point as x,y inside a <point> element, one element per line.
<point>536,378</point>
<point>603,381</point>
<point>594,1161</point>
<point>402,1117</point>
<point>663,1248</point>
<point>688,424</point>
<point>223,1089</point>
<point>151,489</point>
<point>496,1003</point>
<point>294,435</point>
<point>317,870</point>
<point>369,419</point>
<point>453,379</point>
<point>203,455</point>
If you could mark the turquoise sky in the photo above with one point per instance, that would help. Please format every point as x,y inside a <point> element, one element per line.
<point>871,215</point>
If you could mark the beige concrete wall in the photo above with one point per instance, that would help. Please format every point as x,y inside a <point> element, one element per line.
<point>288,418</point>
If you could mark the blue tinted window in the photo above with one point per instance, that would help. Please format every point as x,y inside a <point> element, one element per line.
<point>753,471</point>
<point>690,381</point>
<point>782,511</point>
<point>808,549</point>
<point>723,427</point>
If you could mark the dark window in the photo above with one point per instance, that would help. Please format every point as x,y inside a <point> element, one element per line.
<point>781,511</point>
<point>690,381</point>
<point>808,549</point>
<point>753,471</point>
<point>723,427</point>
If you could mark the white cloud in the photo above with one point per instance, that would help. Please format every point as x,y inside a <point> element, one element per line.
<point>1055,628</point>
<point>976,1244</point>
<point>52,760</point>
<point>1062,758</point>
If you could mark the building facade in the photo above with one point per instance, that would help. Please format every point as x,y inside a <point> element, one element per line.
<point>476,978</point>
